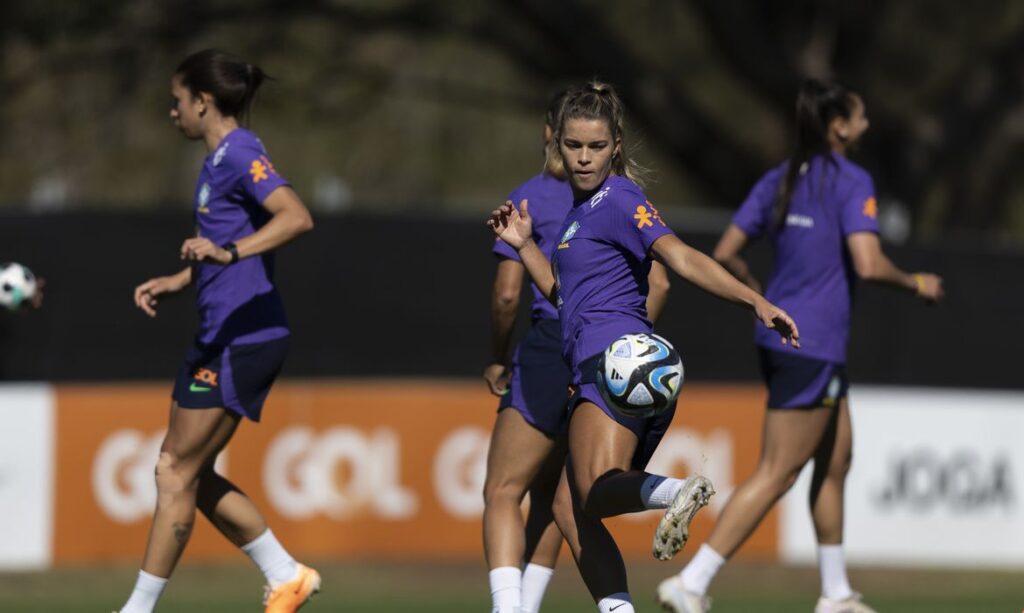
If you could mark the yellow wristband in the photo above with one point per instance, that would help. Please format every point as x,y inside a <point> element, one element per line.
<point>919,280</point>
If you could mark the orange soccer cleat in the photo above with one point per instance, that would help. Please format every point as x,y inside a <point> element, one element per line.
<point>289,596</point>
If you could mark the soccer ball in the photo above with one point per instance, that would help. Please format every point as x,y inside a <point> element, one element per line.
<point>17,284</point>
<point>639,375</point>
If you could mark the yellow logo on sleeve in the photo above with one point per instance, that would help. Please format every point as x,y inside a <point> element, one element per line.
<point>260,169</point>
<point>644,216</point>
<point>871,208</point>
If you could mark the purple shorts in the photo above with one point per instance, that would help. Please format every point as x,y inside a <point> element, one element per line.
<point>539,386</point>
<point>800,382</point>
<point>648,430</point>
<point>236,377</point>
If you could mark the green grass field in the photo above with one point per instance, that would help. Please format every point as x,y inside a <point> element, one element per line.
<point>454,587</point>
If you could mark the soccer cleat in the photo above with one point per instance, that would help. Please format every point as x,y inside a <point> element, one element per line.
<point>289,596</point>
<point>674,527</point>
<point>850,604</point>
<point>672,596</point>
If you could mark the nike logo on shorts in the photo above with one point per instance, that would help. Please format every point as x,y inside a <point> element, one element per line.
<point>198,388</point>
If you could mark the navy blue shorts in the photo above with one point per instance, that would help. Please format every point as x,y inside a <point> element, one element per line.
<point>648,430</point>
<point>800,382</point>
<point>539,385</point>
<point>236,377</point>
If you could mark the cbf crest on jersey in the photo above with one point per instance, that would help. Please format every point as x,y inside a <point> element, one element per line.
<point>570,232</point>
<point>204,198</point>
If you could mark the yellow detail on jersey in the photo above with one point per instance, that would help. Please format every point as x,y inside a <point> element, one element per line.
<point>871,208</point>
<point>643,216</point>
<point>258,171</point>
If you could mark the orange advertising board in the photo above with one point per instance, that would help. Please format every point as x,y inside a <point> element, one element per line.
<point>356,468</point>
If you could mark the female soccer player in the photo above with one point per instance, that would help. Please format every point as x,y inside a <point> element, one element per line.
<point>244,210</point>
<point>598,280</point>
<point>528,447</point>
<point>819,210</point>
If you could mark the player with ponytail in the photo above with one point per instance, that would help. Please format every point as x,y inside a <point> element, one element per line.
<point>598,280</point>
<point>819,210</point>
<point>244,210</point>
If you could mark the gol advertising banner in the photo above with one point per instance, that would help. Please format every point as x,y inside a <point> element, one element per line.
<point>368,468</point>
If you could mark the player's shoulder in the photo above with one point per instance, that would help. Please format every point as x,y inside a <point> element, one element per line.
<point>852,173</point>
<point>527,187</point>
<point>238,151</point>
<point>620,193</point>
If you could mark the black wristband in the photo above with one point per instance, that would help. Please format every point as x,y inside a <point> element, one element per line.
<point>233,250</point>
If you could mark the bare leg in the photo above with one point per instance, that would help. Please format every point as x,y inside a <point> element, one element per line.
<point>518,452</point>
<point>194,438</point>
<point>599,449</point>
<point>228,508</point>
<point>543,539</point>
<point>831,464</point>
<point>790,439</point>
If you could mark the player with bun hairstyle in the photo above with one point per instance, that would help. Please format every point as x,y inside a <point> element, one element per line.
<point>819,211</point>
<point>244,210</point>
<point>528,446</point>
<point>598,280</point>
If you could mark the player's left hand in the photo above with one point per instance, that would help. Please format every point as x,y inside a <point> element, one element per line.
<point>776,319</point>
<point>497,377</point>
<point>203,250</point>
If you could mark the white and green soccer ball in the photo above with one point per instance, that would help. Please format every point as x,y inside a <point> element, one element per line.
<point>17,285</point>
<point>639,375</point>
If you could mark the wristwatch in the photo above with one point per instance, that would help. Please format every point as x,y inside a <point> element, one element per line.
<point>233,250</point>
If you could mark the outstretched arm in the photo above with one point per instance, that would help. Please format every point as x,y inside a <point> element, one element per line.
<point>708,275</point>
<point>515,227</point>
<point>873,265</point>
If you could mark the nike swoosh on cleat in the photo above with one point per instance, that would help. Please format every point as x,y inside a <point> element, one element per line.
<point>198,388</point>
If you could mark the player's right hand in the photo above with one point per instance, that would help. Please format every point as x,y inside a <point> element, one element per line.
<point>929,287</point>
<point>146,294</point>
<point>512,225</point>
<point>497,377</point>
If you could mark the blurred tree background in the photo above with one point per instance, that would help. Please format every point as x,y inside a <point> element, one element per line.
<point>434,107</point>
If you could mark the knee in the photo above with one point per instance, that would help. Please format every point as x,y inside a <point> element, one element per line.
<point>173,476</point>
<point>498,489</point>
<point>779,477</point>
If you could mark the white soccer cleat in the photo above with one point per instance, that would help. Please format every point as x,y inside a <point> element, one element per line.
<point>850,604</point>
<point>672,596</point>
<point>674,527</point>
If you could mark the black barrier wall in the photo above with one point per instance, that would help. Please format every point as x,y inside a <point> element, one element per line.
<point>378,297</point>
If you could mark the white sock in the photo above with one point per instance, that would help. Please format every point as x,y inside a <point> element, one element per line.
<point>657,492</point>
<point>506,584</point>
<point>701,570</point>
<point>147,591</point>
<point>618,602</point>
<point>535,582</point>
<point>274,562</point>
<point>832,564</point>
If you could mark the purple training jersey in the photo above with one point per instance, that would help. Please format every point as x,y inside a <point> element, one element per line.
<point>813,278</point>
<point>550,199</point>
<point>237,303</point>
<point>601,265</point>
